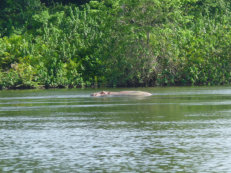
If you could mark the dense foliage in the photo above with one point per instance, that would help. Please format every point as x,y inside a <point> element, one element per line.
<point>114,43</point>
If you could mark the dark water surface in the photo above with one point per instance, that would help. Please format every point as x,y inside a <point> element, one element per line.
<point>175,130</point>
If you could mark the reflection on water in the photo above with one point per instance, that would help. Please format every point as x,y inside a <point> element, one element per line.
<point>175,130</point>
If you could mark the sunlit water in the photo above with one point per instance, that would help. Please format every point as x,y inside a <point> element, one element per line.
<point>174,130</point>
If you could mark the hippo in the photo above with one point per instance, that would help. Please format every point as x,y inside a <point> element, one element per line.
<point>121,93</point>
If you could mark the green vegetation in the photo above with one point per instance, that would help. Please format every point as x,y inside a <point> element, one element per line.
<point>114,43</point>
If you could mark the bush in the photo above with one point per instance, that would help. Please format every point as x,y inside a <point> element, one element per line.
<point>115,43</point>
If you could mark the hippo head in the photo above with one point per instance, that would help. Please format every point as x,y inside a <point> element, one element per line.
<point>101,93</point>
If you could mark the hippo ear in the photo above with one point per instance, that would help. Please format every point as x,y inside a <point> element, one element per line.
<point>104,92</point>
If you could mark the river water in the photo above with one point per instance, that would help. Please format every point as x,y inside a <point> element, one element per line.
<point>182,129</point>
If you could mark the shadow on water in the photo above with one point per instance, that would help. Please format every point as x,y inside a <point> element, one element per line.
<point>182,129</point>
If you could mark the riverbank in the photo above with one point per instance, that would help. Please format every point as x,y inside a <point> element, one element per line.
<point>115,43</point>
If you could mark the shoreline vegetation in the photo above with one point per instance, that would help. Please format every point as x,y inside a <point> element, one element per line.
<point>114,43</point>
